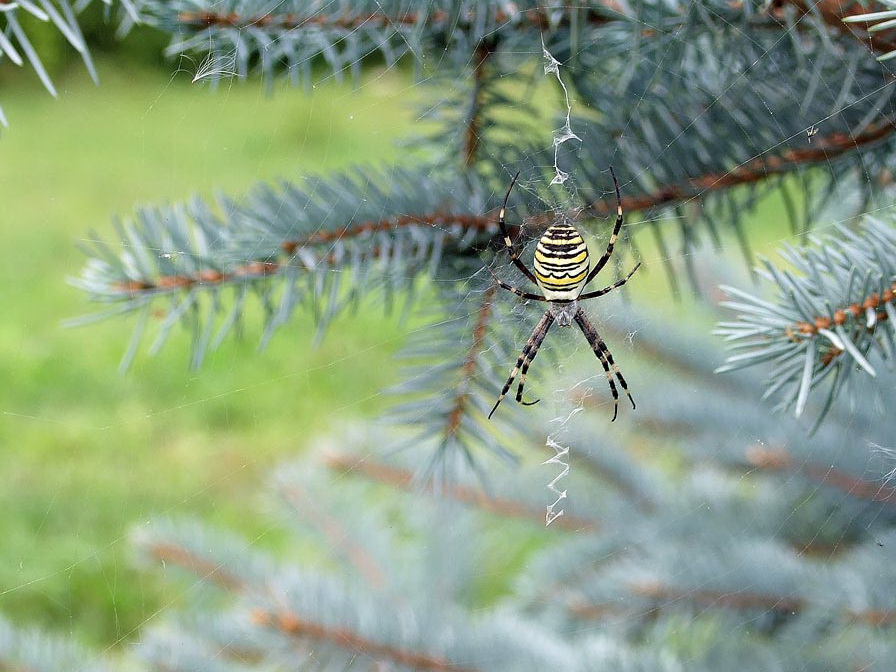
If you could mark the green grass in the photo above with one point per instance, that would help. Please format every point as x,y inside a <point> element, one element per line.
<point>88,453</point>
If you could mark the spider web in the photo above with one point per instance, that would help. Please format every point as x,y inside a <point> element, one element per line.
<point>189,419</point>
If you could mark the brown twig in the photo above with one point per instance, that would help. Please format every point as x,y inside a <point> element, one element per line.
<point>404,480</point>
<point>854,311</point>
<point>841,315</point>
<point>296,626</point>
<point>823,149</point>
<point>471,132</point>
<point>261,269</point>
<point>164,283</point>
<point>534,18</point>
<point>336,533</point>
<point>832,13</point>
<point>738,600</point>
<point>712,598</point>
<point>187,559</point>
<point>468,370</point>
<point>668,595</point>
<point>441,219</point>
<point>779,459</point>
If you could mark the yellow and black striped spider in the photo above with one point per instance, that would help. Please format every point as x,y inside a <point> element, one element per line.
<point>561,273</point>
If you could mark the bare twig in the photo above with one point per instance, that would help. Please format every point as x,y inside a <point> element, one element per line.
<point>404,480</point>
<point>295,626</point>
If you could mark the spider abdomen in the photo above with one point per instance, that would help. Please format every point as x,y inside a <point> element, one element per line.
<point>561,263</point>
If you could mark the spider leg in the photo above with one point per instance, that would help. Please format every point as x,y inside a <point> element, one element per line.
<point>619,219</point>
<point>607,290</point>
<point>511,250</point>
<point>524,359</point>
<point>612,384</point>
<point>518,292</point>
<point>523,372</point>
<point>617,372</point>
<point>603,354</point>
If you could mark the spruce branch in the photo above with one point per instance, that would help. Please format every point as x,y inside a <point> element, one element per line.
<point>292,247</point>
<point>304,503</point>
<point>447,403</point>
<point>537,17</point>
<point>839,470</point>
<point>824,149</point>
<point>799,459</point>
<point>290,35</point>
<point>778,160</point>
<point>365,543</point>
<point>820,461</point>
<point>29,650</point>
<point>216,646</point>
<point>833,316</point>
<point>780,459</point>
<point>178,556</point>
<point>333,619</point>
<point>469,366</point>
<point>320,244</point>
<point>730,128</point>
<point>663,596</point>
<point>406,479</point>
<point>294,625</point>
<point>187,545</point>
<point>661,564</point>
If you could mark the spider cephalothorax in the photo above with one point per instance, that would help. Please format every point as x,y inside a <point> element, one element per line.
<point>562,271</point>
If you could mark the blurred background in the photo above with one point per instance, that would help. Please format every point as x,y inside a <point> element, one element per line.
<point>87,451</point>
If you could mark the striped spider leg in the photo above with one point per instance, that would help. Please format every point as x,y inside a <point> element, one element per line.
<point>562,272</point>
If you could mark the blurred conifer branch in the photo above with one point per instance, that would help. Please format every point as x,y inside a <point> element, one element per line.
<point>721,542</point>
<point>655,569</point>
<point>17,47</point>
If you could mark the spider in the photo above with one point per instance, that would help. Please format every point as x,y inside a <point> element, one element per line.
<point>561,273</point>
